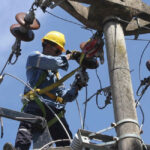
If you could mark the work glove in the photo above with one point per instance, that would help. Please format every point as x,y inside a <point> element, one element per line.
<point>74,55</point>
<point>81,79</point>
<point>90,63</point>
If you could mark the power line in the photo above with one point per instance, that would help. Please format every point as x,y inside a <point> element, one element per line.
<point>82,26</point>
<point>138,39</point>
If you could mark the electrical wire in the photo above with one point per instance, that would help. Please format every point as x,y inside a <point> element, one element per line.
<point>99,80</point>
<point>50,143</point>
<point>142,112</point>
<point>60,122</point>
<point>85,108</point>
<point>82,26</point>
<point>41,100</point>
<point>65,19</point>
<point>81,119</point>
<point>143,116</point>
<point>98,104</point>
<point>122,20</point>
<point>2,127</point>
<point>143,40</point>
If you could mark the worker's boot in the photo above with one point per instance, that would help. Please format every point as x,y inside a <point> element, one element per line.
<point>8,146</point>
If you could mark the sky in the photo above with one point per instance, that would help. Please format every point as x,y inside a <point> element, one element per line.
<point>96,119</point>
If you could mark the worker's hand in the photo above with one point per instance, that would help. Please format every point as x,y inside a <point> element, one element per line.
<point>68,56</point>
<point>81,79</point>
<point>73,55</point>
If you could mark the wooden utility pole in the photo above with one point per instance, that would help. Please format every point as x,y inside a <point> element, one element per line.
<point>122,93</point>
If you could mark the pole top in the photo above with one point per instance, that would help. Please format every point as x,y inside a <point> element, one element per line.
<point>135,14</point>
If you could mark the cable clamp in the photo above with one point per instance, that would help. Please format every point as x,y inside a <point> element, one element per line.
<point>129,136</point>
<point>126,121</point>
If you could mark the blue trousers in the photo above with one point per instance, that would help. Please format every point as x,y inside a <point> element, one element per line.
<point>26,130</point>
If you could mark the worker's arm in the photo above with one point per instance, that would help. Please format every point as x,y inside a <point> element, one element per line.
<point>68,95</point>
<point>45,62</point>
<point>79,82</point>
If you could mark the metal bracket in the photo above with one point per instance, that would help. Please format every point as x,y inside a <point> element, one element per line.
<point>41,137</point>
<point>82,140</point>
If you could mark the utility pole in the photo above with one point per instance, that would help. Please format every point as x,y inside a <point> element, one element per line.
<point>121,86</point>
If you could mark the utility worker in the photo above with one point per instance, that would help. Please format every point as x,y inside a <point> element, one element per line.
<point>47,64</point>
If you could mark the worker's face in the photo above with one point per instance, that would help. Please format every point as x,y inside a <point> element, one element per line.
<point>52,49</point>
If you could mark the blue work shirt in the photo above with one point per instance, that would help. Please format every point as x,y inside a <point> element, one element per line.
<point>37,63</point>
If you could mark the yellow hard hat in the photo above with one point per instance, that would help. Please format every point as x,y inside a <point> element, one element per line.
<point>57,38</point>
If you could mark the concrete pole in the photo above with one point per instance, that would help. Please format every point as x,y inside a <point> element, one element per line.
<point>122,92</point>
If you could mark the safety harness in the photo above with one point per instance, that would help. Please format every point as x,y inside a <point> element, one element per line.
<point>31,95</point>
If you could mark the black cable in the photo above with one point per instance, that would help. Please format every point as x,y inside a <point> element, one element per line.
<point>85,108</point>
<point>99,80</point>
<point>2,127</point>
<point>90,98</point>
<point>138,39</point>
<point>65,19</point>
<point>82,26</point>
<point>98,104</point>
<point>122,20</point>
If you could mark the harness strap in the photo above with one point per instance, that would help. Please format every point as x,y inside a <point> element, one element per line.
<point>54,97</point>
<point>57,75</point>
<point>31,94</point>
<point>58,83</point>
<point>41,105</point>
<point>54,120</point>
<point>81,58</point>
<point>41,79</point>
